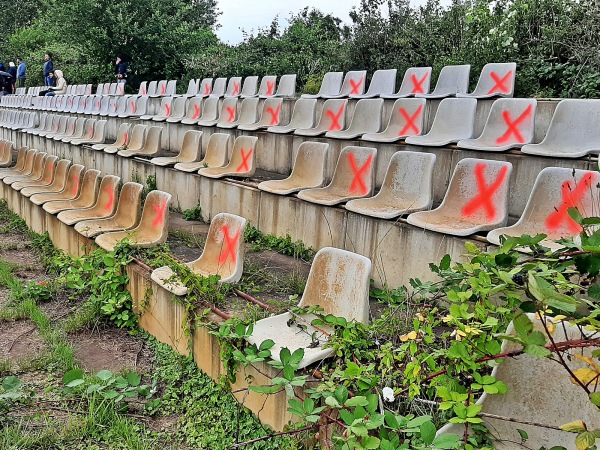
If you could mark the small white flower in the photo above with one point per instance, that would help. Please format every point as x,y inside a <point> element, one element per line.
<point>388,394</point>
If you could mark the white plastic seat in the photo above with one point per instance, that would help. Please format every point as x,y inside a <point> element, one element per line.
<point>216,154</point>
<point>451,81</point>
<point>496,80</point>
<point>476,200</point>
<point>193,111</point>
<point>96,134</point>
<point>223,255</point>
<point>267,86</point>
<point>234,87</point>
<point>366,119</point>
<point>137,107</point>
<point>218,88</point>
<point>120,107</point>
<point>250,87</point>
<point>205,88</point>
<point>151,88</point>
<point>86,198</point>
<point>105,205</point>
<point>193,86</point>
<point>303,117</point>
<point>270,116</point>
<point>573,131</point>
<point>406,119</point>
<point>308,170</point>
<point>210,111</point>
<point>510,124</point>
<point>407,187</point>
<point>62,188</point>
<point>286,86</point>
<point>82,131</point>
<point>555,191</point>
<point>228,113</point>
<point>137,138</point>
<point>338,282</point>
<point>164,110</point>
<point>45,178</point>
<point>416,80</point>
<point>330,85</point>
<point>152,145</point>
<point>382,83</point>
<point>242,163</point>
<point>191,150</point>
<point>178,110</point>
<point>354,84</point>
<point>122,138</point>
<point>248,114</point>
<point>333,117</point>
<point>453,121</point>
<point>354,177</point>
<point>161,89</point>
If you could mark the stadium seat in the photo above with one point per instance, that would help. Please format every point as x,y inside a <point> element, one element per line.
<point>86,198</point>
<point>103,207</point>
<point>330,85</point>
<point>451,81</point>
<point>248,113</point>
<point>216,154</point>
<point>228,113</point>
<point>407,119</point>
<point>416,80</point>
<point>122,138</point>
<point>366,119</point>
<point>242,163</point>
<point>151,148</point>
<point>354,83</point>
<point>496,80</point>
<point>137,138</point>
<point>191,150</point>
<point>382,83</point>
<point>270,116</point>
<point>303,116</point>
<point>61,189</point>
<point>332,118</point>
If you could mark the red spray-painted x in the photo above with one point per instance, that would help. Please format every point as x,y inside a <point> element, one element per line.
<point>484,198</point>
<point>245,160</point>
<point>230,245</point>
<point>512,126</point>
<point>355,85</point>
<point>159,210</point>
<point>418,84</point>
<point>196,112</point>
<point>570,198</point>
<point>236,88</point>
<point>500,83</point>
<point>274,114</point>
<point>231,112</point>
<point>111,198</point>
<point>335,119</point>
<point>270,87</point>
<point>410,121</point>
<point>358,184</point>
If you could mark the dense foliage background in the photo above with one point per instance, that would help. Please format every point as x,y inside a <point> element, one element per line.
<point>554,42</point>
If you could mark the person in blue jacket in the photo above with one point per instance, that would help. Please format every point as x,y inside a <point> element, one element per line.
<point>48,67</point>
<point>121,70</point>
<point>21,72</point>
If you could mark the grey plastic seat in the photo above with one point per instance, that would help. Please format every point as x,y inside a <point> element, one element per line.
<point>100,88</point>
<point>218,88</point>
<point>416,80</point>
<point>407,187</point>
<point>366,119</point>
<point>242,163</point>
<point>510,124</point>
<point>407,119</point>
<point>126,217</point>
<point>354,177</point>
<point>59,180</point>
<point>303,117</point>
<point>130,107</point>
<point>112,89</point>
<point>205,88</point>
<point>338,282</point>
<point>193,111</point>
<point>234,87</point>
<point>573,131</point>
<point>286,86</point>
<point>111,106</point>
<point>210,111</point>
<point>152,230</point>
<point>250,87</point>
<point>151,148</point>
<point>151,89</point>
<point>191,150</point>
<point>137,138</point>
<point>120,107</point>
<point>228,112</point>
<point>382,83</point>
<point>267,86</point>
<point>353,84</point>
<point>161,89</point>
<point>23,165</point>
<point>72,126</point>
<point>248,114</point>
<point>45,177</point>
<point>164,110</point>
<point>64,189</point>
<point>60,128</point>
<point>81,131</point>
<point>122,138</point>
<point>496,80</point>
<point>96,134</point>
<point>192,89</point>
<point>52,127</point>
<point>270,116</point>
<point>330,85</point>
<point>451,81</point>
<point>93,102</point>
<point>86,198</point>
<point>216,154</point>
<point>140,108</point>
<point>308,171</point>
<point>333,117</point>
<point>453,121</point>
<point>178,110</point>
<point>555,191</point>
<point>476,200</point>
<point>105,204</point>
<point>223,255</point>
<point>82,104</point>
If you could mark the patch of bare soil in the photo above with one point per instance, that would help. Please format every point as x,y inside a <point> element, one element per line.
<point>10,239</point>
<point>19,339</point>
<point>111,349</point>
<point>57,308</point>
<point>281,263</point>
<point>4,296</point>
<point>21,256</point>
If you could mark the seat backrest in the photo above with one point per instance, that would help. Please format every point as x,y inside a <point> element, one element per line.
<point>161,88</point>
<point>287,86</point>
<point>62,125</point>
<point>38,165</point>
<point>407,117</point>
<point>205,87</point>
<point>267,86</point>
<point>106,202</point>
<point>382,82</point>
<point>453,80</point>
<point>21,159</point>
<point>228,110</point>
<point>155,217</point>
<point>309,164</point>
<point>355,171</point>
<point>138,137</point>
<point>367,116</point>
<point>100,89</point>
<point>122,135</point>
<point>141,105</point>
<point>217,150</point>
<point>112,90</point>
<point>416,80</point>
<point>73,181</point>
<point>171,88</point>
<point>331,83</point>
<point>153,140</point>
<point>234,87</point>
<point>194,108</point>
<point>249,89</point>
<point>243,155</point>
<point>210,109</point>
<point>354,83</point>
<point>338,282</point>
<point>104,105</point>
<point>152,88</point>
<point>130,205</point>
<point>497,79</point>
<point>70,128</point>
<point>28,165</point>
<point>191,147</point>
<point>143,89</point>
<point>303,115</point>
<point>49,168</point>
<point>271,112</point>
<point>192,88</point>
<point>333,116</point>
<point>219,86</point>
<point>454,117</point>
<point>166,106</point>
<point>89,190</point>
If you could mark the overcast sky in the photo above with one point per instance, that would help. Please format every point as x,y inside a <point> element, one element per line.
<point>253,14</point>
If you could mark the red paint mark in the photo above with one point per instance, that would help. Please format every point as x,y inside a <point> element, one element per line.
<point>167,110</point>
<point>70,102</point>
<point>76,187</point>
<point>355,85</point>
<point>274,114</point>
<point>236,88</point>
<point>335,119</point>
<point>111,199</point>
<point>121,87</point>
<point>115,106</point>
<point>196,112</point>
<point>159,210</point>
<point>410,121</point>
<point>206,89</point>
<point>270,87</point>
<point>73,128</point>
<point>163,89</point>
<point>357,182</point>
<point>418,84</point>
<point>106,88</point>
<point>230,245</point>
<point>144,90</point>
<point>245,159</point>
<point>89,90</point>
<point>231,112</point>
<point>484,198</point>
<point>98,104</point>
<point>133,107</point>
<point>500,85</point>
<point>91,130</point>
<point>512,126</point>
<point>126,138</point>
<point>50,168</point>
<point>570,198</point>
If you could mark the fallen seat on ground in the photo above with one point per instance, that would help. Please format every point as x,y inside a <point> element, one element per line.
<point>86,198</point>
<point>354,83</point>
<point>510,124</point>
<point>191,150</point>
<point>453,121</point>
<point>61,188</point>
<point>217,153</point>
<point>152,230</point>
<point>270,116</point>
<point>44,180</point>
<point>354,177</point>
<point>555,190</point>
<point>104,206</point>
<point>338,282</point>
<point>406,119</point>
<point>416,80</point>
<point>303,116</point>
<point>407,187</point>
<point>122,138</point>
<point>476,200</point>
<point>223,255</point>
<point>308,170</point>
<point>248,114</point>
<point>366,119</point>
<point>496,80</point>
<point>382,83</point>
<point>333,117</point>
<point>127,214</point>
<point>242,163</point>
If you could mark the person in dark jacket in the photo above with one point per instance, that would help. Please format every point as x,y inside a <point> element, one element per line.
<point>21,72</point>
<point>48,67</point>
<point>121,70</point>
<point>12,69</point>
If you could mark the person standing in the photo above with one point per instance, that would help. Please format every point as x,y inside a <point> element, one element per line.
<point>121,70</point>
<point>12,69</point>
<point>48,67</point>
<point>21,72</point>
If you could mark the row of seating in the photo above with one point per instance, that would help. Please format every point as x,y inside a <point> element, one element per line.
<point>72,89</point>
<point>92,203</point>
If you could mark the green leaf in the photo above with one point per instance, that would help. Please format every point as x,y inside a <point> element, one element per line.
<point>104,375</point>
<point>341,394</point>
<point>575,214</point>
<point>523,434</point>
<point>359,400</point>
<point>11,383</point>
<point>266,345</point>
<point>537,350</point>
<point>288,373</point>
<point>428,432</point>
<point>370,442</point>
<point>134,378</point>
<point>445,262</point>
<point>446,441</point>
<point>265,389</point>
<point>72,375</point>
<point>585,440</point>
<point>545,292</point>
<point>595,398</point>
<point>75,383</point>
<point>594,291</point>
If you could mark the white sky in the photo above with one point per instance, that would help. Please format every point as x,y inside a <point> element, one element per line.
<point>253,14</point>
